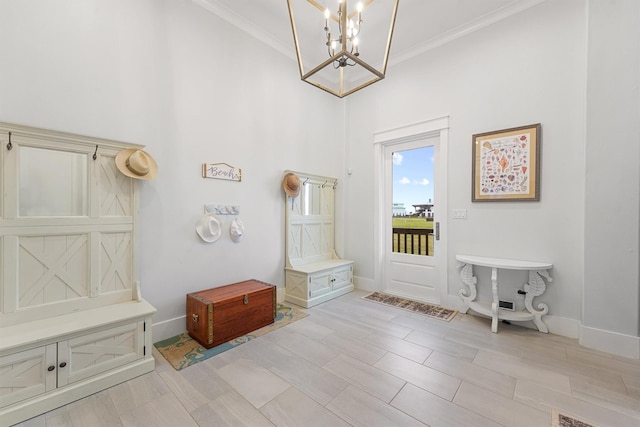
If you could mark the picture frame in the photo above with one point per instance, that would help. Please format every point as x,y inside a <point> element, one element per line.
<point>506,165</point>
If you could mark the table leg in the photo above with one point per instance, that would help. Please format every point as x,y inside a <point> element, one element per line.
<point>494,304</point>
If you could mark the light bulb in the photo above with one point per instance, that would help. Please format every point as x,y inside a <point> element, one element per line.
<point>327,14</point>
<point>359,6</point>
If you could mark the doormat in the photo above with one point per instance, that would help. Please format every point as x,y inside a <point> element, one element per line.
<point>413,306</point>
<point>182,351</point>
<point>562,420</point>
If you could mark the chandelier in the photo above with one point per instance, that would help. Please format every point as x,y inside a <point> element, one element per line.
<point>344,49</point>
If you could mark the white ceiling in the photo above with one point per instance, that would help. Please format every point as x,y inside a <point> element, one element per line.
<point>421,25</point>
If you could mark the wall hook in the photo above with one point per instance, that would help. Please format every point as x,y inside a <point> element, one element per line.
<point>335,184</point>
<point>9,144</point>
<point>324,183</point>
<point>305,181</point>
<point>95,153</point>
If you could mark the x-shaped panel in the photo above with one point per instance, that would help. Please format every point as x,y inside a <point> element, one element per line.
<point>115,262</point>
<point>115,190</point>
<point>99,351</point>
<point>52,268</point>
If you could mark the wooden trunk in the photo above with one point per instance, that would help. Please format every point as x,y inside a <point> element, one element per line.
<point>218,315</point>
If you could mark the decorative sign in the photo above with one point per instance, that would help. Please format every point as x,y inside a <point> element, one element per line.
<point>221,171</point>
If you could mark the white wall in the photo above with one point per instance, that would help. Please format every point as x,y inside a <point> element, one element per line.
<point>612,283</point>
<point>527,69</point>
<point>193,89</point>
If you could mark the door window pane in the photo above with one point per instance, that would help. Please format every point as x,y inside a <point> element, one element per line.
<point>413,202</point>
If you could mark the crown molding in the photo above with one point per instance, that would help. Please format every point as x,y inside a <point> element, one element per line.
<point>505,12</point>
<point>250,27</point>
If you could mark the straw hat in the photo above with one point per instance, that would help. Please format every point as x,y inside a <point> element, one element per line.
<point>291,184</point>
<point>208,228</point>
<point>136,164</point>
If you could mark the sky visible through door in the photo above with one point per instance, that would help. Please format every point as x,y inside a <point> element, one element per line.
<point>413,178</point>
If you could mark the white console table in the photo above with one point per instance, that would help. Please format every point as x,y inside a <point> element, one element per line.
<point>533,288</point>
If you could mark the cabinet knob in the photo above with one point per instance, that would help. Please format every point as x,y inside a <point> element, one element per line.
<point>51,368</point>
<point>63,364</point>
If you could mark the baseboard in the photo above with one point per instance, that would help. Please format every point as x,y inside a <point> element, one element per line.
<point>563,326</point>
<point>365,284</point>
<point>169,328</point>
<point>610,342</point>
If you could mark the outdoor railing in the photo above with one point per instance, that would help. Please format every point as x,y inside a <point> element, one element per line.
<point>415,241</point>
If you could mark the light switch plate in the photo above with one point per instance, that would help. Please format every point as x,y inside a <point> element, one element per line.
<point>459,213</point>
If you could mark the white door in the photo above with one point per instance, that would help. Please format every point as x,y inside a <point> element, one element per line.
<point>412,265</point>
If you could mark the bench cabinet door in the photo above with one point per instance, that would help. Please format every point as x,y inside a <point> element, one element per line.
<point>98,352</point>
<point>342,277</point>
<point>27,374</point>
<point>320,283</point>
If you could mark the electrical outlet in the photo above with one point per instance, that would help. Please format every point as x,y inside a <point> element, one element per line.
<point>506,305</point>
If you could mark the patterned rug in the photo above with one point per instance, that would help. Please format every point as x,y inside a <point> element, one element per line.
<point>562,420</point>
<point>182,351</point>
<point>413,306</point>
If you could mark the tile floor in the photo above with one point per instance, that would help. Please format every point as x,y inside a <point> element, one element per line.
<point>355,362</point>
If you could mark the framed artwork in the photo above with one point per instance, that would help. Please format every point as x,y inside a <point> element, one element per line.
<point>506,165</point>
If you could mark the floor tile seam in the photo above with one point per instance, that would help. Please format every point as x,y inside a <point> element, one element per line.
<point>453,400</point>
<point>575,400</point>
<point>569,369</point>
<point>391,351</point>
<point>473,381</point>
<point>120,415</point>
<point>377,328</point>
<point>208,401</point>
<point>570,396</point>
<point>370,330</point>
<point>632,372</point>
<point>406,381</point>
<point>612,392</point>
<point>341,351</point>
<point>347,380</point>
<point>604,358</point>
<point>598,366</point>
<point>631,411</point>
<point>398,409</point>
<point>327,406</point>
<point>510,374</point>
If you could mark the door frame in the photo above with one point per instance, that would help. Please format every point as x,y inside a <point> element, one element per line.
<point>438,127</point>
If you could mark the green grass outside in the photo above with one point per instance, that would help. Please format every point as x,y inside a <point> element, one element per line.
<point>411,222</point>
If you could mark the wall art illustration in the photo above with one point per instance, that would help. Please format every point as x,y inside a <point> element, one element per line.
<point>506,165</point>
